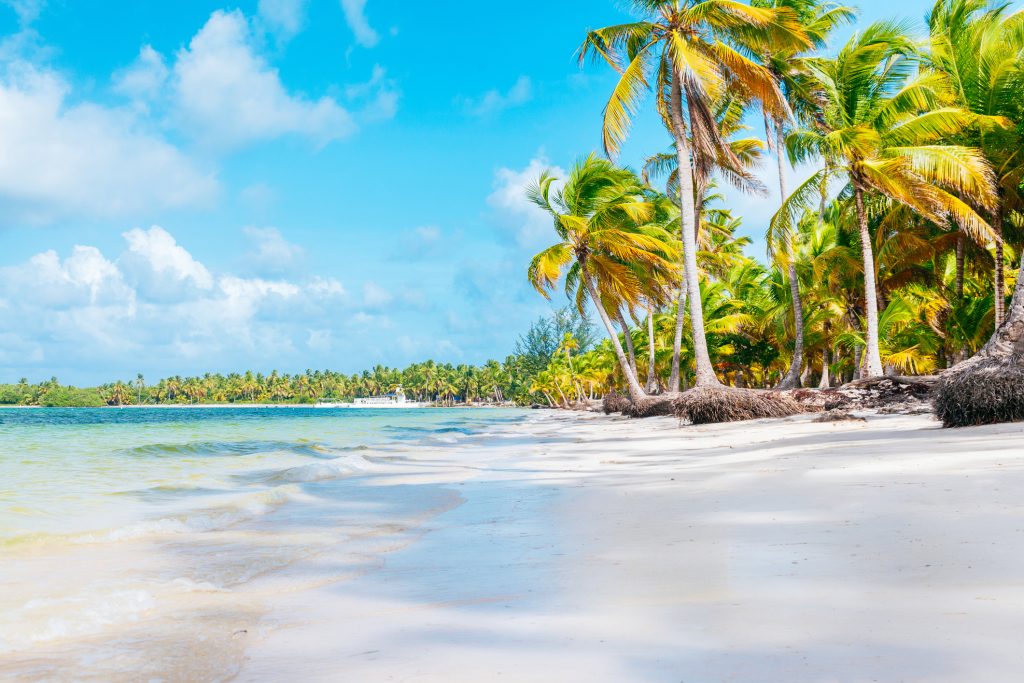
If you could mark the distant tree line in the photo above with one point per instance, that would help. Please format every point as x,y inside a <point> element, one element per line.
<point>494,382</point>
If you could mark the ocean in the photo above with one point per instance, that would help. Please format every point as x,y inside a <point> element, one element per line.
<point>140,543</point>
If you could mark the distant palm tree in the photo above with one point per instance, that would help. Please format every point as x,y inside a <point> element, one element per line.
<point>600,217</point>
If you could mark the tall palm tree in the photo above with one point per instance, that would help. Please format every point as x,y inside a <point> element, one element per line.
<point>737,170</point>
<point>978,47</point>
<point>600,216</point>
<point>882,133</point>
<point>695,52</point>
<point>818,20</point>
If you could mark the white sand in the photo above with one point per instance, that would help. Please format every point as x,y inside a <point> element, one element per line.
<point>582,548</point>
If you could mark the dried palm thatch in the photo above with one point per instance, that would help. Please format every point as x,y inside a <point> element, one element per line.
<point>652,406</point>
<point>982,391</point>
<point>615,403</point>
<point>708,405</point>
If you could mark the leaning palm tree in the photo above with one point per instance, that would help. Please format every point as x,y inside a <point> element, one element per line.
<point>693,52</point>
<point>818,20</point>
<point>873,136</point>
<point>600,216</point>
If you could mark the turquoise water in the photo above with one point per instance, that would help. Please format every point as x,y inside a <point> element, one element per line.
<point>108,516</point>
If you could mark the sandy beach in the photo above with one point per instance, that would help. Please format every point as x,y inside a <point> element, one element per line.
<point>594,549</point>
<point>551,546</point>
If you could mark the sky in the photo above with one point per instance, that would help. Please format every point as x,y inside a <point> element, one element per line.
<point>198,187</point>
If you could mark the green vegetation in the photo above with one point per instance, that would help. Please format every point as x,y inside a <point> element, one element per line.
<point>890,258</point>
<point>445,384</point>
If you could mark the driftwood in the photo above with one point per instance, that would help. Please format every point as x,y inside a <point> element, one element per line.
<point>923,382</point>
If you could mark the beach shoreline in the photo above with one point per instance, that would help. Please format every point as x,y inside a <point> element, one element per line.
<point>558,545</point>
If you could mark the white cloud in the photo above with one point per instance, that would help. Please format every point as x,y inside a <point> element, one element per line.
<point>87,309</point>
<point>495,101</point>
<point>62,159</point>
<point>379,95</point>
<point>355,16</point>
<point>271,253</point>
<point>375,296</point>
<point>165,257</point>
<point>145,78</point>
<point>27,10</point>
<point>228,94</point>
<point>529,224</point>
<point>284,17</point>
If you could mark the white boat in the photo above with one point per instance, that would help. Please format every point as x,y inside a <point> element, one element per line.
<point>395,399</point>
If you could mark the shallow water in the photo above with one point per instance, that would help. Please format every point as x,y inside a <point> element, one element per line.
<point>140,542</point>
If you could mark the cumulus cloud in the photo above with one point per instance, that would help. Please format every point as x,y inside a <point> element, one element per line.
<point>159,308</point>
<point>228,93</point>
<point>355,16</point>
<point>79,300</point>
<point>145,78</point>
<point>271,253</point>
<point>283,17</point>
<point>529,225</point>
<point>62,159</point>
<point>160,267</point>
<point>495,101</point>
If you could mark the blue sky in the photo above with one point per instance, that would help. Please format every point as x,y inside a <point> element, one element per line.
<point>195,186</point>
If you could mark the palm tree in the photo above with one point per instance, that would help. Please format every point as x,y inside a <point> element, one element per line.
<point>818,19</point>
<point>600,217</point>
<point>695,51</point>
<point>977,46</point>
<point>873,135</point>
<point>745,154</point>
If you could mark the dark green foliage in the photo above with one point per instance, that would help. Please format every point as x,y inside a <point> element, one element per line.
<point>536,347</point>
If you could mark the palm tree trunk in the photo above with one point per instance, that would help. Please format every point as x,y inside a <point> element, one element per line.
<point>630,349</point>
<point>959,265</point>
<point>792,378</point>
<point>824,383</point>
<point>652,377</point>
<point>1008,339</point>
<point>677,340</point>
<point>1000,283</point>
<point>705,372</point>
<point>636,392</point>
<point>873,362</point>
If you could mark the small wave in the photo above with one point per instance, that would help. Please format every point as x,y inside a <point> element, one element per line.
<point>320,471</point>
<point>226,449</point>
<point>243,509</point>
